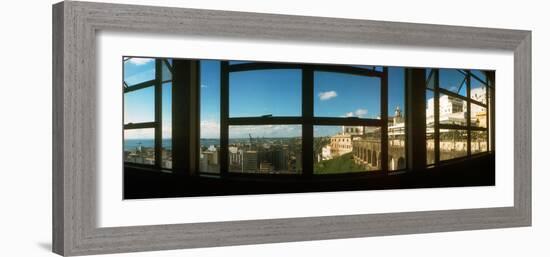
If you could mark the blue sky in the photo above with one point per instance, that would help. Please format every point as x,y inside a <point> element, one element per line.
<point>275,92</point>
<point>452,80</point>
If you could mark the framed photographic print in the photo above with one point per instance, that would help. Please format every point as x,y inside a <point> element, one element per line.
<point>181,128</point>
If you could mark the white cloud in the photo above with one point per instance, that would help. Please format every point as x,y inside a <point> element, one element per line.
<point>140,61</point>
<point>327,95</point>
<point>204,86</point>
<point>361,113</point>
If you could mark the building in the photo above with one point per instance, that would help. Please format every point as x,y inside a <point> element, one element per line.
<point>353,130</point>
<point>479,94</point>
<point>325,153</point>
<point>453,110</point>
<point>235,156</point>
<point>209,161</point>
<point>250,161</point>
<point>340,144</point>
<point>266,167</point>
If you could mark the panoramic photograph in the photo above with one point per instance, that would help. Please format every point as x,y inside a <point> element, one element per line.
<point>194,127</point>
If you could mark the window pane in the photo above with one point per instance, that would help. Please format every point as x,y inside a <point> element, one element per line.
<point>210,116</point>
<point>452,110</point>
<point>479,141</point>
<point>452,80</point>
<point>430,143</point>
<point>138,70</point>
<point>430,147</point>
<point>479,116</point>
<point>479,75</point>
<point>478,91</point>
<point>167,125</point>
<point>345,95</point>
<point>396,126</point>
<point>139,146</point>
<point>166,72</point>
<point>265,149</point>
<point>139,106</point>
<point>265,92</point>
<point>452,143</point>
<point>430,78</point>
<point>344,149</point>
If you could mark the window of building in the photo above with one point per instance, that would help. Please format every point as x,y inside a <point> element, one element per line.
<point>262,123</point>
<point>275,116</point>
<point>147,111</point>
<point>457,113</point>
<point>348,107</point>
<point>209,87</point>
<point>397,137</point>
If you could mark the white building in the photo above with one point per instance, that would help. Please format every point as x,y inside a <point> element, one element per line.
<point>452,110</point>
<point>326,153</point>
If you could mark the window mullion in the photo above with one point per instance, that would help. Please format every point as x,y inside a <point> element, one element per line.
<point>307,125</point>
<point>224,118</point>
<point>468,115</point>
<point>436,118</point>
<point>158,113</point>
<point>384,114</point>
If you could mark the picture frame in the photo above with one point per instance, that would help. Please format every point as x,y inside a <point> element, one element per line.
<point>75,25</point>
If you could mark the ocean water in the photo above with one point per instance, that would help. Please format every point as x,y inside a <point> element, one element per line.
<point>132,144</point>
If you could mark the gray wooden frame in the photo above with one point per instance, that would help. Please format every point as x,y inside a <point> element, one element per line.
<point>74,128</point>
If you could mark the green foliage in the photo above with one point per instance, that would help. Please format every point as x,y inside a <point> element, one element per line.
<point>340,164</point>
<point>319,143</point>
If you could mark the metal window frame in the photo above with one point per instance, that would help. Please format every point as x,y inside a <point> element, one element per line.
<point>156,124</point>
<point>307,120</point>
<point>437,90</point>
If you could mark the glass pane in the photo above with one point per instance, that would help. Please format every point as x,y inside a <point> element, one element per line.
<point>430,108</point>
<point>430,78</point>
<point>345,95</point>
<point>479,141</point>
<point>138,70</point>
<point>452,110</point>
<point>139,146</point>
<point>478,90</point>
<point>139,106</point>
<point>452,144</point>
<point>452,80</point>
<point>479,75</point>
<point>479,116</point>
<point>265,149</point>
<point>167,125</point>
<point>396,126</point>
<point>166,72</point>
<point>430,143</point>
<point>265,92</point>
<point>344,149</point>
<point>210,116</point>
<point>430,147</point>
